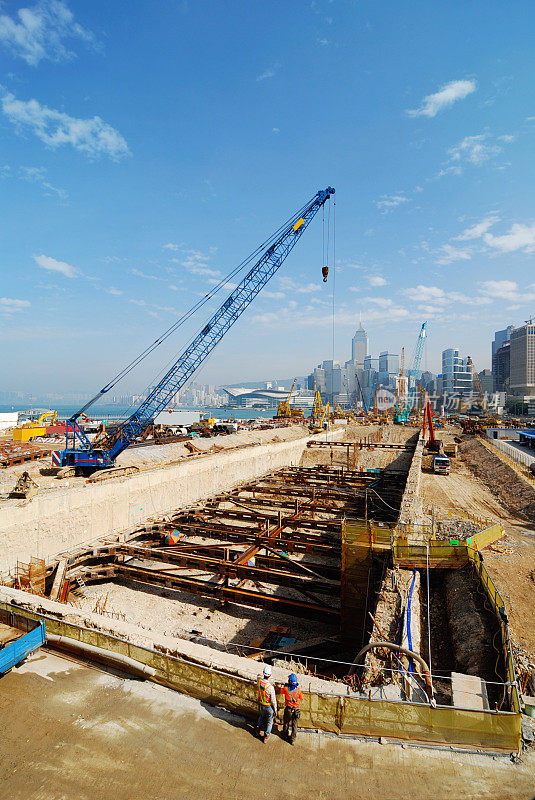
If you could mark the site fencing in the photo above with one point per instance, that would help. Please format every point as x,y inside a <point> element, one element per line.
<point>514,453</point>
<point>519,467</point>
<point>337,713</point>
<point>451,554</point>
<point>498,606</point>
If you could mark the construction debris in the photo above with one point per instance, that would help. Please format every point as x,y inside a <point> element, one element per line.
<point>25,488</point>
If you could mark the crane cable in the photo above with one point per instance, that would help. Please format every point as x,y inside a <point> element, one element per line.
<point>334,269</point>
<point>196,306</point>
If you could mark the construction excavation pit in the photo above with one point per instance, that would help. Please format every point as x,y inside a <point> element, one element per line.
<point>393,626</point>
<point>260,562</point>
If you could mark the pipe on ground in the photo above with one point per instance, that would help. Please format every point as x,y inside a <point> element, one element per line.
<point>127,663</point>
<point>389,646</point>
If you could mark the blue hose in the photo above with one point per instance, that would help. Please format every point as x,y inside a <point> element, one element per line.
<point>409,632</point>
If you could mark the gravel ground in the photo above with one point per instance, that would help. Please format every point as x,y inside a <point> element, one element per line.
<point>181,613</point>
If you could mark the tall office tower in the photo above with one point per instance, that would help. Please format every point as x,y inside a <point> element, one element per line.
<point>359,346</point>
<point>522,355</point>
<point>456,373</point>
<point>500,358</point>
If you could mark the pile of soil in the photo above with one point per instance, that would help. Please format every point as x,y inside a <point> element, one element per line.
<point>470,633</point>
<point>514,493</point>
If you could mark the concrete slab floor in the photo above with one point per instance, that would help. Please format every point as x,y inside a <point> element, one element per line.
<point>73,731</point>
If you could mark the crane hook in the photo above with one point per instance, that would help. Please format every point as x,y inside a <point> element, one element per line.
<point>325,272</point>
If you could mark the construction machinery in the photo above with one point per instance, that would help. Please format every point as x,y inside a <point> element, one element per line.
<point>80,454</point>
<point>352,404</point>
<point>433,445</point>
<point>321,422</point>
<point>475,425</point>
<point>317,408</point>
<point>440,462</point>
<point>285,411</point>
<point>35,428</point>
<point>409,399</point>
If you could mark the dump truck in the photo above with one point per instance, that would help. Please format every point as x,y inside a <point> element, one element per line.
<point>19,637</point>
<point>441,465</point>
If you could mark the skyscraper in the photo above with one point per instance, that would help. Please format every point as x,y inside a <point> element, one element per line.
<point>456,373</point>
<point>500,358</point>
<point>522,354</point>
<point>500,337</point>
<point>359,346</point>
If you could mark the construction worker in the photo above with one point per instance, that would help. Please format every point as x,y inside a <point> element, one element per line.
<point>267,702</point>
<point>292,698</point>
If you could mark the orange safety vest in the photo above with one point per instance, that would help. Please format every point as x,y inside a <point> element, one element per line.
<point>292,698</point>
<point>263,696</point>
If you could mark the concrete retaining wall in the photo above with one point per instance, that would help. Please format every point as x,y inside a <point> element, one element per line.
<point>229,681</point>
<point>411,505</point>
<point>60,520</point>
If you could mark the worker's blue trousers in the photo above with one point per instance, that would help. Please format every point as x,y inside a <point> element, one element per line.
<point>265,720</point>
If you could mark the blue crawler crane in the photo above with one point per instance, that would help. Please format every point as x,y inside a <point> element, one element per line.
<point>82,456</point>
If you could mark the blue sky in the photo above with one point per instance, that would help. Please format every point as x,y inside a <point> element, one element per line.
<point>146,148</point>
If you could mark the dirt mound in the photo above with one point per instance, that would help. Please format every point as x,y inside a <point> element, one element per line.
<point>516,495</point>
<point>470,636</point>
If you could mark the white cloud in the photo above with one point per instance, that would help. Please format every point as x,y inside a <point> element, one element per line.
<point>40,30</point>
<point>434,297</point>
<point>112,290</point>
<point>38,175</point>
<point>275,130</point>
<point>448,254</point>
<point>46,262</point>
<point>502,289</point>
<point>508,290</point>
<point>171,246</point>
<point>140,274</point>
<point>390,201</point>
<point>11,305</point>
<point>290,285</point>
<point>203,271</point>
<point>383,302</point>
<point>425,294</point>
<point>94,137</point>
<point>270,72</point>
<point>309,287</point>
<point>477,231</point>
<point>273,295</point>
<point>475,149</point>
<point>444,98</point>
<point>376,280</point>
<point>519,237</point>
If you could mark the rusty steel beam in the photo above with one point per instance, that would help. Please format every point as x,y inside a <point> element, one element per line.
<point>366,446</point>
<point>330,571</point>
<point>290,542</point>
<point>232,569</point>
<point>321,525</point>
<point>245,597</point>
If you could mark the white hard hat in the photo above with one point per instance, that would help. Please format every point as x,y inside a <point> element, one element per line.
<point>267,671</point>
